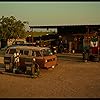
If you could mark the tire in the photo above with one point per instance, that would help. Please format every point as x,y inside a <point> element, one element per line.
<point>9,70</point>
<point>90,57</point>
<point>96,59</point>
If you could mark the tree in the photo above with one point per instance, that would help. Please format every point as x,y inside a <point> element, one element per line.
<point>10,27</point>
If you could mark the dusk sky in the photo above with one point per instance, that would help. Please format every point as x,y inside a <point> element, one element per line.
<point>53,13</point>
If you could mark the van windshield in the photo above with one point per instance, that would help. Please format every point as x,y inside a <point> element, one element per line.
<point>47,52</point>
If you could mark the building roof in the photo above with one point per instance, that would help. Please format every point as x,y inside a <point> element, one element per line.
<point>56,26</point>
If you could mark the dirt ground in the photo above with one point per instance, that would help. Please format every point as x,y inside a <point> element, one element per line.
<point>71,78</point>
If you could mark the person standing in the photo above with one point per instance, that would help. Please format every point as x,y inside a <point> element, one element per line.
<point>16,61</point>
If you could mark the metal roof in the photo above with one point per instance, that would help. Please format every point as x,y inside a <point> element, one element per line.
<point>28,47</point>
<point>56,26</point>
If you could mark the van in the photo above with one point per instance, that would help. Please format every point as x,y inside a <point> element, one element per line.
<point>30,58</point>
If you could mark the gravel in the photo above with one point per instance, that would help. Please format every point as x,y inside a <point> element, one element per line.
<point>69,79</point>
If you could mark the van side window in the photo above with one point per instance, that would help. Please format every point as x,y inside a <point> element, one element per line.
<point>38,54</point>
<point>26,52</point>
<point>21,52</point>
<point>12,51</point>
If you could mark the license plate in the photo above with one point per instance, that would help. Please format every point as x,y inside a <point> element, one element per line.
<point>7,66</point>
<point>28,68</point>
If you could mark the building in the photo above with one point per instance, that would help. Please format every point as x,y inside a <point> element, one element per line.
<point>72,34</point>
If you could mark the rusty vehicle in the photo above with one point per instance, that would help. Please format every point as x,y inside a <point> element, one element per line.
<point>18,42</point>
<point>31,59</point>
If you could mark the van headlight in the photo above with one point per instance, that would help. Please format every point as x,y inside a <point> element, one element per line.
<point>45,60</point>
<point>34,59</point>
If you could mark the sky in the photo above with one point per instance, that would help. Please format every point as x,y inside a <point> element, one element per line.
<point>52,13</point>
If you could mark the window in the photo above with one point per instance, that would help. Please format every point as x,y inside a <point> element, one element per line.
<point>12,51</point>
<point>21,52</point>
<point>47,52</point>
<point>26,52</point>
<point>38,54</point>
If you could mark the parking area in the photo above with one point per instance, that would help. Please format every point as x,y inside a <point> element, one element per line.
<point>71,78</point>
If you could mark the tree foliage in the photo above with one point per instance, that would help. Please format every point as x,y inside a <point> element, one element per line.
<point>10,27</point>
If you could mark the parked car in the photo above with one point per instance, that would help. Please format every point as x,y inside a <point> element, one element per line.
<point>15,43</point>
<point>31,59</point>
<point>18,42</point>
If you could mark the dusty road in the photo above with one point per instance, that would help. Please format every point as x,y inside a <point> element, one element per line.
<point>72,78</point>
